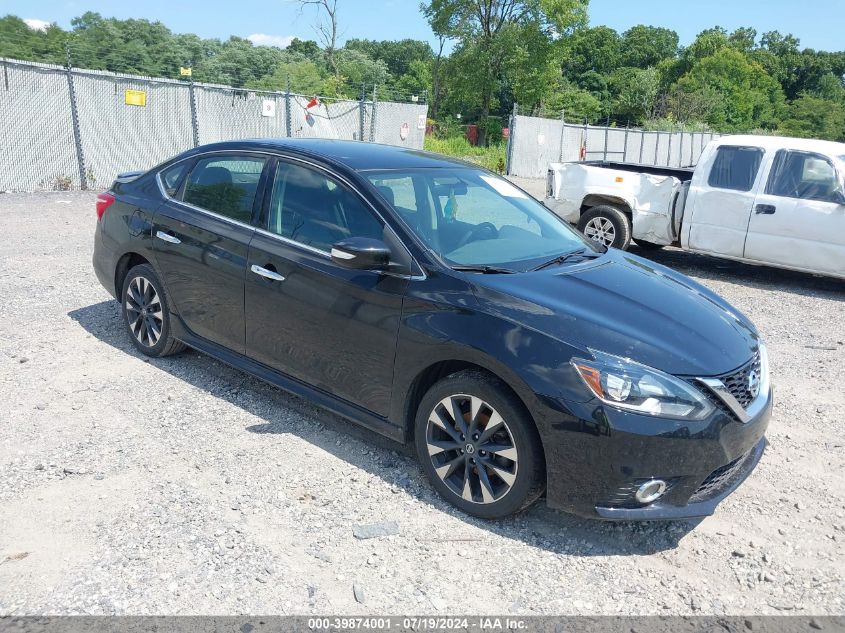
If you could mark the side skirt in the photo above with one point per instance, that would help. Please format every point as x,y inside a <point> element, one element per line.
<point>327,401</point>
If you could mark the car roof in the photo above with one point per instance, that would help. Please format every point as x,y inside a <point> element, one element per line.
<point>356,155</point>
<point>830,148</point>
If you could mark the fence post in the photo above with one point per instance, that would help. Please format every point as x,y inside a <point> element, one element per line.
<point>642,145</point>
<point>625,144</point>
<point>669,150</point>
<point>562,133</point>
<point>288,114</point>
<point>509,150</point>
<point>606,134</point>
<point>195,122</point>
<point>74,116</point>
<point>373,117</point>
<point>361,113</point>
<point>681,148</point>
<point>656,148</point>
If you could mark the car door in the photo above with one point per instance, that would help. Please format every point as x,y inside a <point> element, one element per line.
<point>798,220</point>
<point>326,325</point>
<point>202,234</point>
<point>721,198</point>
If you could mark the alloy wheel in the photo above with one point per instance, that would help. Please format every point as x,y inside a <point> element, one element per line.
<point>472,449</point>
<point>143,311</point>
<point>600,230</point>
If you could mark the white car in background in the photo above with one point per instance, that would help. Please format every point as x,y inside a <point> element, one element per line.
<point>758,199</point>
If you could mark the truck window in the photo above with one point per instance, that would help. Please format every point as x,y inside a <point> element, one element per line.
<point>802,175</point>
<point>735,167</point>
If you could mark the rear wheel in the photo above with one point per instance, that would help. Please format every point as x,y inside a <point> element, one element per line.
<point>146,313</point>
<point>606,225</point>
<point>478,446</point>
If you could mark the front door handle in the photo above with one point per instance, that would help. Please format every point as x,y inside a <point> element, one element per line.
<point>267,274</point>
<point>167,237</point>
<point>765,209</point>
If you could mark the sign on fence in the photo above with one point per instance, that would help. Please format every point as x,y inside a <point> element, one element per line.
<point>135,97</point>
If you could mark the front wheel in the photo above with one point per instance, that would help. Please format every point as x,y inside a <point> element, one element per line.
<point>606,225</point>
<point>478,446</point>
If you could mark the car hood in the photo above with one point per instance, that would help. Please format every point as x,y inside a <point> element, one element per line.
<point>628,306</point>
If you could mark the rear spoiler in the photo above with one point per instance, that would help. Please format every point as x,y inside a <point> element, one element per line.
<point>129,176</point>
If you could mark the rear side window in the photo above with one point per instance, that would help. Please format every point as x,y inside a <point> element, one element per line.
<point>172,177</point>
<point>735,167</point>
<point>226,185</point>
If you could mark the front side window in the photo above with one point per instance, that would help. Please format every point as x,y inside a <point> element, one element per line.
<point>311,208</point>
<point>225,185</point>
<point>735,168</point>
<point>803,175</point>
<point>469,217</point>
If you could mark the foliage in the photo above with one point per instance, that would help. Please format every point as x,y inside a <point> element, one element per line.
<point>492,157</point>
<point>537,53</point>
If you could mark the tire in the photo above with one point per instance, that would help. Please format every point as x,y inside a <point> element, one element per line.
<point>146,313</point>
<point>606,225</point>
<point>500,483</point>
<point>648,246</point>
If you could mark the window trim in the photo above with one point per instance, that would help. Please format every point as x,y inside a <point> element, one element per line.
<point>273,158</point>
<point>259,192</point>
<point>759,150</point>
<point>782,155</point>
<point>264,217</point>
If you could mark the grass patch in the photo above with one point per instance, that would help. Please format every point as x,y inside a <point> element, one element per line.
<point>492,158</point>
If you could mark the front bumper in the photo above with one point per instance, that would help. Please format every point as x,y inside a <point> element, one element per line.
<point>597,458</point>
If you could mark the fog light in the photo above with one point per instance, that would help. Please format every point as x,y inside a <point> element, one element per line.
<point>651,491</point>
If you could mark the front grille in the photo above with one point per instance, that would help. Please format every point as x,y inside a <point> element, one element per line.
<point>739,383</point>
<point>719,479</point>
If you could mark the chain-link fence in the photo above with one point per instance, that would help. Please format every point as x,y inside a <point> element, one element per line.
<point>534,142</point>
<point>76,129</point>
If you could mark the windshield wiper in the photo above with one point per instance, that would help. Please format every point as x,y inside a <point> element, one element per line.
<point>487,270</point>
<point>560,259</point>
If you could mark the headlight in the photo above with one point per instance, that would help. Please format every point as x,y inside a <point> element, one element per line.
<point>627,385</point>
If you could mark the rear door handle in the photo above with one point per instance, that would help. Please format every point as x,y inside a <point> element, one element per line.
<point>765,209</point>
<point>167,237</point>
<point>267,274</point>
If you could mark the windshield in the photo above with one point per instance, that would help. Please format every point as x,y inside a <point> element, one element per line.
<point>469,217</point>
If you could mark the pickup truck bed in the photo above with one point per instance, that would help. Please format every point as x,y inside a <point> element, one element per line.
<point>684,174</point>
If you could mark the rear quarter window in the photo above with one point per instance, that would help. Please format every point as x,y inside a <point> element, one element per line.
<point>735,168</point>
<point>171,177</point>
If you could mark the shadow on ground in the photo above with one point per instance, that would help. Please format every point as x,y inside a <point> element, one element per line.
<point>762,277</point>
<point>394,463</point>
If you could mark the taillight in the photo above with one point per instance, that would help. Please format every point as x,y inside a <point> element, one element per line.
<point>104,201</point>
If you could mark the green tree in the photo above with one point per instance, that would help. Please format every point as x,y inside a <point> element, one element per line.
<point>482,28</point>
<point>644,46</point>
<point>750,97</point>
<point>812,117</point>
<point>595,49</point>
<point>635,92</point>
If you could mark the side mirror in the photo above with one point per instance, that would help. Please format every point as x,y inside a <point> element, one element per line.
<point>361,253</point>
<point>838,196</point>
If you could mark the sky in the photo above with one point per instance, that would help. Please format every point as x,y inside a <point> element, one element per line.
<point>278,21</point>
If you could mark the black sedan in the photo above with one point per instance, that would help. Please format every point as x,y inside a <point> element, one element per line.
<point>436,303</point>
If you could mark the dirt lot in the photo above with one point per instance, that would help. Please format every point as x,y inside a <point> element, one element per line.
<point>182,486</point>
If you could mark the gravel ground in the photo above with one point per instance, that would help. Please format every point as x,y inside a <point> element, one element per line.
<point>174,486</point>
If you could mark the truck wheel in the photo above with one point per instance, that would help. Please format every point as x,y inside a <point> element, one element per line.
<point>606,225</point>
<point>648,246</point>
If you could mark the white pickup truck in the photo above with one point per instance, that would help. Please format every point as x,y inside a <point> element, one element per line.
<point>759,199</point>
